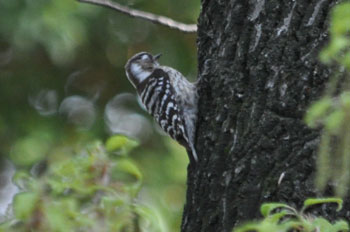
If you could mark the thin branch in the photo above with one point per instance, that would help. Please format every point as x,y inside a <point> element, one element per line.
<point>158,19</point>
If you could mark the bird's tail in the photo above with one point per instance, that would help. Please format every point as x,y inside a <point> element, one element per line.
<point>192,154</point>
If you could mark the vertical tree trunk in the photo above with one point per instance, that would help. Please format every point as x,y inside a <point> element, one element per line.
<point>258,71</point>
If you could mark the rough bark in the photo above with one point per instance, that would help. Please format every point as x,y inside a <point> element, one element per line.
<point>258,72</point>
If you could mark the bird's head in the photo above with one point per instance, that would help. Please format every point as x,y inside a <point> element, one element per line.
<point>140,66</point>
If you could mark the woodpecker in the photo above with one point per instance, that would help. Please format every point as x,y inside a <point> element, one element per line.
<point>168,96</point>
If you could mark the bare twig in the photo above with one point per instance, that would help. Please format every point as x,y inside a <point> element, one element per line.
<point>162,20</point>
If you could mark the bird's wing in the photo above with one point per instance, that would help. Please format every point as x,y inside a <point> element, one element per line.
<point>186,98</point>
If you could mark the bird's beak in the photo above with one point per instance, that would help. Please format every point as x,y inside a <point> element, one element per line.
<point>156,57</point>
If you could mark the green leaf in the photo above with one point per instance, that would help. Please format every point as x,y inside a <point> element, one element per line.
<point>317,111</point>
<point>248,227</point>
<point>345,99</point>
<point>21,179</point>
<point>323,162</point>
<point>266,208</point>
<point>120,143</point>
<point>334,121</point>
<point>57,218</point>
<point>340,225</point>
<point>125,170</point>
<point>336,45</point>
<point>322,224</point>
<point>314,201</point>
<point>24,204</point>
<point>340,19</point>
<point>264,226</point>
<point>29,150</point>
<point>6,226</point>
<point>291,224</point>
<point>276,217</point>
<point>111,202</point>
<point>151,217</point>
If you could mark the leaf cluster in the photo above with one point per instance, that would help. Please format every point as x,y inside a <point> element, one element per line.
<point>283,218</point>
<point>94,188</point>
<point>332,111</point>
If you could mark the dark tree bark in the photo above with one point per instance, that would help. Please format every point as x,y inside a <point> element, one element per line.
<point>258,72</point>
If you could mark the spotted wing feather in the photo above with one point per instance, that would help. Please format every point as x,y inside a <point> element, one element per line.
<point>161,100</point>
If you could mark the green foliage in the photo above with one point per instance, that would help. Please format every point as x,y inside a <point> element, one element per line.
<point>60,21</point>
<point>318,110</point>
<point>70,48</point>
<point>332,111</point>
<point>120,144</point>
<point>316,201</point>
<point>266,209</point>
<point>30,149</point>
<point>89,188</point>
<point>283,218</point>
<point>338,47</point>
<point>24,204</point>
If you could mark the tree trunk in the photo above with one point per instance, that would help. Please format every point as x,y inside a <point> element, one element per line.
<point>258,72</point>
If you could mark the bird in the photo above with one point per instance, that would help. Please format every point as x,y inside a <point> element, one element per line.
<point>168,96</point>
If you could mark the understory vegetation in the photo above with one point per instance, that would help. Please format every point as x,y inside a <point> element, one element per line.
<point>78,169</point>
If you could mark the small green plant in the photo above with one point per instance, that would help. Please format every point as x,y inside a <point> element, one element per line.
<point>93,187</point>
<point>332,111</point>
<point>279,217</point>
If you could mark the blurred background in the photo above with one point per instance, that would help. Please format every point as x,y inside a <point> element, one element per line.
<point>64,95</point>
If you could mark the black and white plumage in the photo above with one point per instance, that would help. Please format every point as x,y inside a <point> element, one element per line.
<point>168,96</point>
